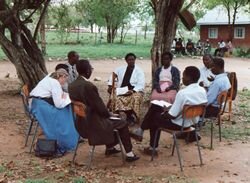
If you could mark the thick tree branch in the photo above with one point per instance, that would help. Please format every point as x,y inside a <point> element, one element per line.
<point>190,4</point>
<point>46,4</point>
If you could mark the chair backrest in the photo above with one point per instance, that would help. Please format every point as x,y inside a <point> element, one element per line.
<point>114,79</point>
<point>222,100</point>
<point>110,104</point>
<point>193,111</point>
<point>25,98</point>
<point>232,92</point>
<point>79,109</point>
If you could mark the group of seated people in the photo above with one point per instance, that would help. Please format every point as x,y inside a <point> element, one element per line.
<point>190,47</point>
<point>51,103</point>
<point>223,48</point>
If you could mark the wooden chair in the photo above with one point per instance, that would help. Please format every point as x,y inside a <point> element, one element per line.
<point>222,101</point>
<point>79,111</point>
<point>189,112</point>
<point>110,104</point>
<point>31,117</point>
<point>231,93</point>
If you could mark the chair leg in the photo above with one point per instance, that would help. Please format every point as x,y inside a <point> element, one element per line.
<point>198,146</point>
<point>211,143</point>
<point>173,148</point>
<point>34,136</point>
<point>219,120</point>
<point>91,157</point>
<point>178,152</point>
<point>120,144</point>
<point>155,139</point>
<point>229,110</point>
<point>28,132</point>
<point>74,156</point>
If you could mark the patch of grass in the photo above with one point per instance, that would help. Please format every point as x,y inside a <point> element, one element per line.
<point>2,169</point>
<point>177,179</point>
<point>79,180</point>
<point>240,130</point>
<point>103,51</point>
<point>91,46</point>
<point>37,181</point>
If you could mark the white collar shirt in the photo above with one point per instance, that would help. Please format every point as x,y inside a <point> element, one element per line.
<point>50,87</point>
<point>205,73</point>
<point>137,78</point>
<point>73,74</point>
<point>193,94</point>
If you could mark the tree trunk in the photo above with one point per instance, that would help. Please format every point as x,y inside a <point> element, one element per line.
<point>20,47</point>
<point>122,32</point>
<point>92,28</point>
<point>145,31</point>
<point>43,36</point>
<point>235,9</point>
<point>109,36</point>
<point>166,15</point>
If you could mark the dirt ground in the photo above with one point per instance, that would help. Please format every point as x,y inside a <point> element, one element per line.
<point>229,162</point>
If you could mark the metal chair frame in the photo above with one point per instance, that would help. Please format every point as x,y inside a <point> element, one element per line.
<point>189,112</point>
<point>230,95</point>
<point>31,118</point>
<point>79,110</point>
<point>222,101</point>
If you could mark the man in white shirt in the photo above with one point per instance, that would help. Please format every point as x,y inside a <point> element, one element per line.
<point>192,94</point>
<point>221,49</point>
<point>132,77</point>
<point>205,71</point>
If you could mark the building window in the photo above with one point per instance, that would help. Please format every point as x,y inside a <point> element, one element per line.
<point>212,33</point>
<point>239,32</point>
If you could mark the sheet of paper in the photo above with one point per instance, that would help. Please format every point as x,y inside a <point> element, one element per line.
<point>114,118</point>
<point>122,90</point>
<point>161,103</point>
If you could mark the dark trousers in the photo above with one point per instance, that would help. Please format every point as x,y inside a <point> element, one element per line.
<point>211,111</point>
<point>122,128</point>
<point>154,120</point>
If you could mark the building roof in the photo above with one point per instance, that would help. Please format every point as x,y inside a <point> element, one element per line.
<point>218,16</point>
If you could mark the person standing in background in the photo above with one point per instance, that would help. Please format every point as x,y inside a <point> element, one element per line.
<point>73,57</point>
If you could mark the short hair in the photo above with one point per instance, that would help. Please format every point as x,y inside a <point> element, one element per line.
<point>167,53</point>
<point>62,66</point>
<point>208,55</point>
<point>82,66</point>
<point>219,62</point>
<point>193,73</point>
<point>130,54</point>
<point>71,54</point>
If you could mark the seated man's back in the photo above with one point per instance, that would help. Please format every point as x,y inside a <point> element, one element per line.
<point>220,83</point>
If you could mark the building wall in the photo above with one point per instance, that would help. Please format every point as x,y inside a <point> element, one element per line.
<point>223,33</point>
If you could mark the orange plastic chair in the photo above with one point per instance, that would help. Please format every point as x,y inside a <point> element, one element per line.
<point>25,98</point>
<point>231,94</point>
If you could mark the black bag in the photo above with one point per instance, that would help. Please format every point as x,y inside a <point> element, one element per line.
<point>46,148</point>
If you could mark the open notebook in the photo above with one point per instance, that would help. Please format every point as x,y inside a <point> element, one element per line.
<point>161,103</point>
<point>121,91</point>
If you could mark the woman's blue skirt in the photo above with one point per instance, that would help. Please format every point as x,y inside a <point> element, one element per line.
<point>57,124</point>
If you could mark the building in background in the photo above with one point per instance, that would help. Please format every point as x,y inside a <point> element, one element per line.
<point>214,26</point>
